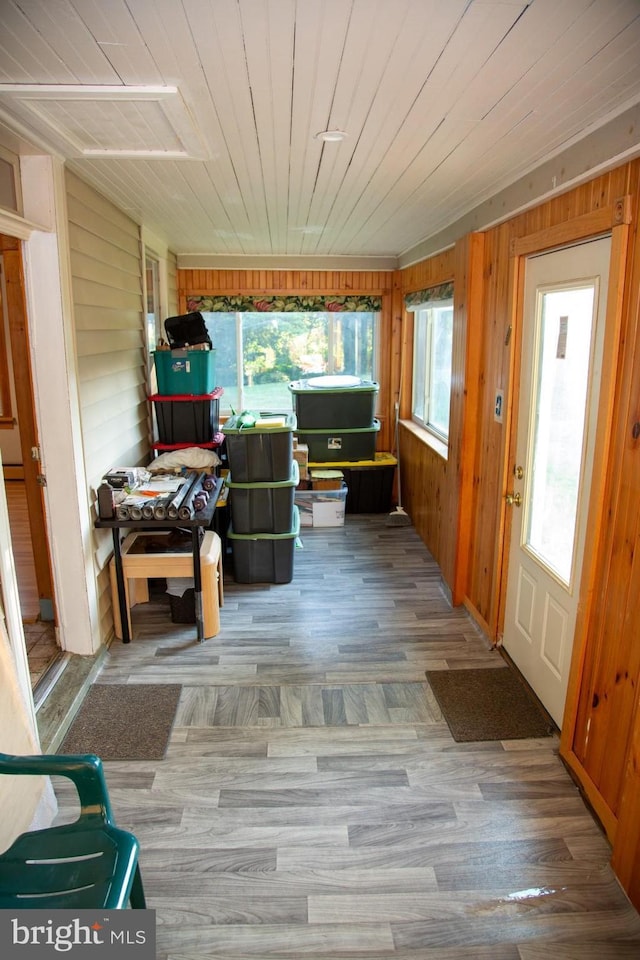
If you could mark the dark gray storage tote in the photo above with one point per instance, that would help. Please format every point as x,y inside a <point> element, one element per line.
<point>324,403</point>
<point>185,418</point>
<point>260,453</point>
<point>332,446</point>
<point>263,507</point>
<point>264,557</point>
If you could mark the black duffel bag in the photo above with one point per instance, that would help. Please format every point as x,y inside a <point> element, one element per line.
<point>189,328</point>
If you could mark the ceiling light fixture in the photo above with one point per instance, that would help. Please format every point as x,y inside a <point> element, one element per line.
<point>331,136</point>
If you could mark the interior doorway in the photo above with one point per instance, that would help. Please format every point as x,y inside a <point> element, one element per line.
<point>22,473</point>
<point>562,341</point>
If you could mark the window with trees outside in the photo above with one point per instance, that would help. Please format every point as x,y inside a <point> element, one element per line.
<point>432,355</point>
<point>260,351</point>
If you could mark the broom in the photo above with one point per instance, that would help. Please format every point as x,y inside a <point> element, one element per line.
<point>398,517</point>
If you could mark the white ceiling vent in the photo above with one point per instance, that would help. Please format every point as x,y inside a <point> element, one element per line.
<point>109,120</point>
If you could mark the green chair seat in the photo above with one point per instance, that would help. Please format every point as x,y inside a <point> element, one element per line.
<point>85,864</point>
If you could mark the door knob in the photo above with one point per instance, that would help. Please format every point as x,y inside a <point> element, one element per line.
<point>513,499</point>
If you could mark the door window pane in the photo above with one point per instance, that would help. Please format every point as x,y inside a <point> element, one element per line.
<point>564,327</point>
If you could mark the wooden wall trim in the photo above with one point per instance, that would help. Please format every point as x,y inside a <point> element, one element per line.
<point>478,618</point>
<point>6,412</point>
<point>11,249</point>
<point>593,797</point>
<point>469,264</point>
<point>514,337</point>
<point>589,225</point>
<point>397,385</point>
<point>291,282</point>
<point>626,853</point>
<point>595,559</point>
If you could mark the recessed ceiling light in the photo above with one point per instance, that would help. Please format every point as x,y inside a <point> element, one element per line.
<point>332,136</point>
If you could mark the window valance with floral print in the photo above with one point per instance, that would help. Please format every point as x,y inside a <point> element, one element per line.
<point>443,291</point>
<point>285,304</point>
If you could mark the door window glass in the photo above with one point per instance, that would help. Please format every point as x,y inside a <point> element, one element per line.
<point>565,319</point>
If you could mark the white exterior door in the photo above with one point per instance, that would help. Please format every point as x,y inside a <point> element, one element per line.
<point>562,337</point>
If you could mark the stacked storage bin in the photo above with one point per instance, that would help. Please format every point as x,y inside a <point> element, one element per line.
<point>187,413</point>
<point>262,479</point>
<point>335,417</point>
<point>187,402</point>
<point>336,421</point>
<point>187,420</point>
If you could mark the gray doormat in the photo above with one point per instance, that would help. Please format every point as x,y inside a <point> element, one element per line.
<point>488,704</point>
<point>124,721</point>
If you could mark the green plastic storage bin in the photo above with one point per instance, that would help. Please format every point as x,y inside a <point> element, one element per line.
<point>260,454</point>
<point>190,372</point>
<point>329,403</point>
<point>332,446</point>
<point>263,507</point>
<point>264,557</point>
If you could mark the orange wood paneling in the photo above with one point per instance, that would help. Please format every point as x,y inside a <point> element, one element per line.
<point>626,852</point>
<point>429,484</point>
<point>608,675</point>
<point>465,396</point>
<point>605,682</point>
<point>584,714</point>
<point>603,701</point>
<point>490,441</point>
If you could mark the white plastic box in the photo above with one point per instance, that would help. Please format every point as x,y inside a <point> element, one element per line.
<point>321,508</point>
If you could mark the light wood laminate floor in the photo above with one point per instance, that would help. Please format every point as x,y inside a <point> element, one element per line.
<point>312,802</point>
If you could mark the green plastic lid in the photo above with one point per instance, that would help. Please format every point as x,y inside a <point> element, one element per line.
<point>331,384</point>
<point>293,481</point>
<point>290,535</point>
<point>264,423</point>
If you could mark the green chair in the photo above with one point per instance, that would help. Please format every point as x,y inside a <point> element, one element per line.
<point>85,864</point>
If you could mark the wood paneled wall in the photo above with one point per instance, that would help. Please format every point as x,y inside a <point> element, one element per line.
<point>601,731</point>
<point>486,513</point>
<point>429,487</point>
<point>338,282</point>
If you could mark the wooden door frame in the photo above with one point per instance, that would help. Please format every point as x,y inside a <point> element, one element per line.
<point>11,249</point>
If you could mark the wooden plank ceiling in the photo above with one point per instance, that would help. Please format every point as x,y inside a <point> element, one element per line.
<point>443,103</point>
